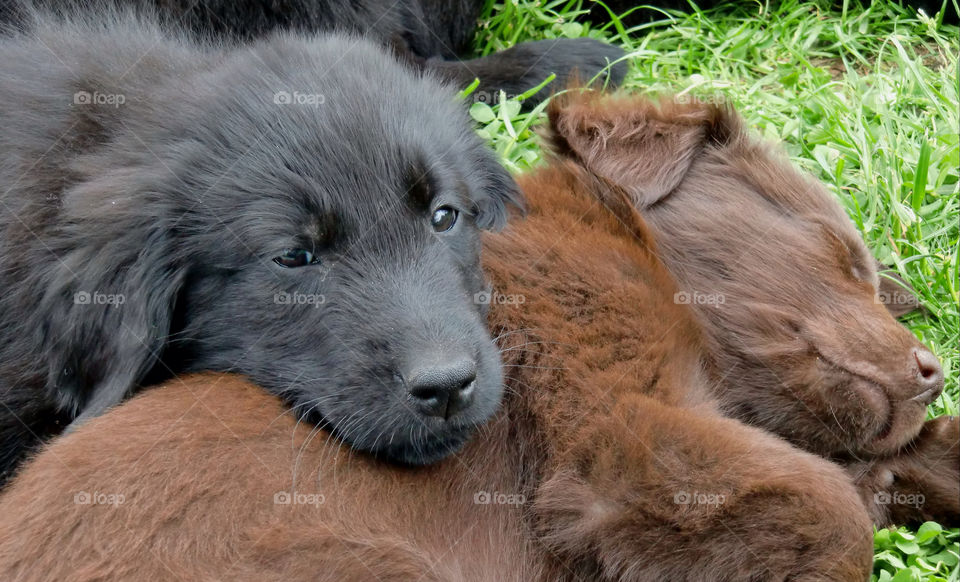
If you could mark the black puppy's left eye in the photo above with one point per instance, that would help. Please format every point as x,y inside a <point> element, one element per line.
<point>292,258</point>
<point>443,218</point>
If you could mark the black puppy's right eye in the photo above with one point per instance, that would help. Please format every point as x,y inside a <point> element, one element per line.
<point>292,258</point>
<point>443,218</point>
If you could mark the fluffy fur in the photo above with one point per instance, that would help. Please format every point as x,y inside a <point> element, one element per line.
<point>138,238</point>
<point>434,35</point>
<point>817,359</point>
<point>840,374</point>
<point>610,459</point>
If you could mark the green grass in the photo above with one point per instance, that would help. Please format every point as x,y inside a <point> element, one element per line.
<point>865,99</point>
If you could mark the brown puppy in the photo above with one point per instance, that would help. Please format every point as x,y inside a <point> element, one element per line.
<point>798,325</point>
<point>775,270</point>
<point>609,459</point>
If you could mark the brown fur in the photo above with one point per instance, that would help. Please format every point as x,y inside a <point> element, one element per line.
<point>804,343</point>
<point>609,431</point>
<point>918,484</point>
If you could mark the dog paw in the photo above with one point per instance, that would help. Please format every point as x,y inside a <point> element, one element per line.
<point>920,483</point>
<point>526,65</point>
<point>571,59</point>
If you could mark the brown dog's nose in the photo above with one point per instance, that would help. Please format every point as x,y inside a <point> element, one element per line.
<point>444,390</point>
<point>929,376</point>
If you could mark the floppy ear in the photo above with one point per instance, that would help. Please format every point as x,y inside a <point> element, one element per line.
<point>497,195</point>
<point>108,307</point>
<point>895,293</point>
<point>644,147</point>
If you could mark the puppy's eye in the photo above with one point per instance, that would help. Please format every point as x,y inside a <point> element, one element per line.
<point>444,218</point>
<point>292,258</point>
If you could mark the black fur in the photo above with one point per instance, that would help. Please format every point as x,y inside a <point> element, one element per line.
<point>432,35</point>
<point>178,199</point>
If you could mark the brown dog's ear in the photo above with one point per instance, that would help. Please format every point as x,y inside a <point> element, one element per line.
<point>642,146</point>
<point>895,293</point>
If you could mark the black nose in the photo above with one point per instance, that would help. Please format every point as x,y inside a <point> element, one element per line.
<point>929,375</point>
<point>445,389</point>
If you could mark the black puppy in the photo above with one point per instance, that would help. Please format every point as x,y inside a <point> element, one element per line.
<point>435,35</point>
<point>168,207</point>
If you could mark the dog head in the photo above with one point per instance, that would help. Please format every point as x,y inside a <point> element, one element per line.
<point>787,291</point>
<point>306,213</point>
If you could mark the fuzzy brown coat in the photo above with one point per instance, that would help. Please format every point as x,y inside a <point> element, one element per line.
<point>798,324</point>
<point>609,459</point>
